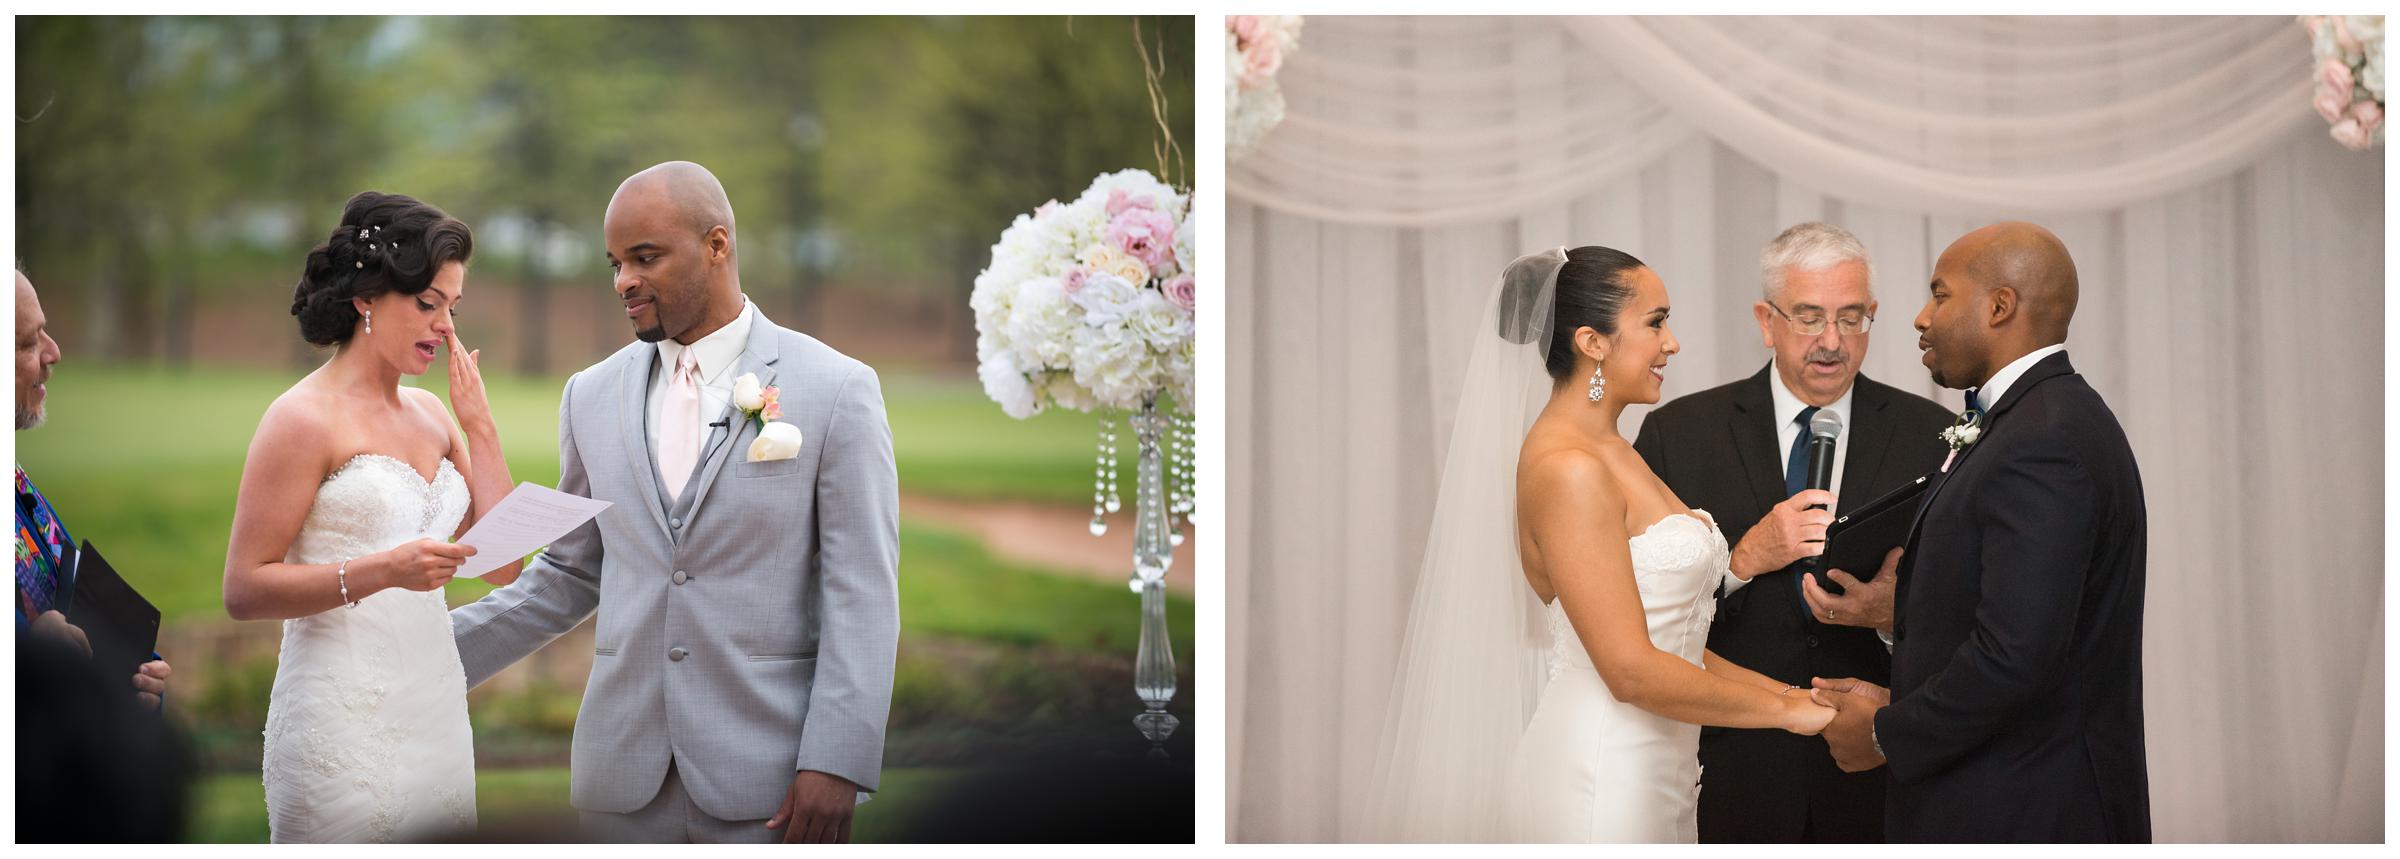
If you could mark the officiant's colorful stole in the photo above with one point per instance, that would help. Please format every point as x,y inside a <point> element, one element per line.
<point>41,545</point>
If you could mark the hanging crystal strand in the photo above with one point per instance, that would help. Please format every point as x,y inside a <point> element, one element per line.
<point>1178,433</point>
<point>1191,468</point>
<point>1103,466</point>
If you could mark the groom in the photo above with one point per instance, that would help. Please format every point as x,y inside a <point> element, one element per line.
<point>749,611</point>
<point>2015,712</point>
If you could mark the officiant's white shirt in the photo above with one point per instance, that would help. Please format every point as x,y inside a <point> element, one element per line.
<point>1787,429</point>
<point>717,353</point>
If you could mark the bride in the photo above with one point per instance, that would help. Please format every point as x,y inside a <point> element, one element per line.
<point>1565,703</point>
<point>353,488</point>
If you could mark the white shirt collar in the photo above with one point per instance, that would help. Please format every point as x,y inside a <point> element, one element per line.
<point>718,350</point>
<point>1788,405</point>
<point>1989,393</point>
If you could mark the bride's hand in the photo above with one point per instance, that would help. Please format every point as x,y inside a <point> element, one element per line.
<point>423,565</point>
<point>1801,715</point>
<point>467,399</point>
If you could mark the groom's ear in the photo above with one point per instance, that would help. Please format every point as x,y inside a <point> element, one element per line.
<point>2004,305</point>
<point>719,242</point>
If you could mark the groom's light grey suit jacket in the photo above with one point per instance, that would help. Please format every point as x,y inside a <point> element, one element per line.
<point>749,628</point>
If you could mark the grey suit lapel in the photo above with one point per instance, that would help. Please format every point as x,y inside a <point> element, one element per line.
<point>634,422</point>
<point>758,356</point>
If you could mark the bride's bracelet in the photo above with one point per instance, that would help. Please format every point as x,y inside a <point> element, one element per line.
<point>341,575</point>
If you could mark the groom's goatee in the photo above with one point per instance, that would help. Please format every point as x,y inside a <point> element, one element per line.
<point>650,335</point>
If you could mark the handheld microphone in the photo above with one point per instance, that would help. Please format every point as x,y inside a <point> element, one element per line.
<point>1823,431</point>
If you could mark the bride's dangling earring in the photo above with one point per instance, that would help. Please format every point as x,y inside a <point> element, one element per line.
<point>1598,384</point>
<point>371,326</point>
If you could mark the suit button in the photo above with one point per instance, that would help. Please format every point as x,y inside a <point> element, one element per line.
<point>678,523</point>
<point>1812,641</point>
<point>675,655</point>
<point>681,577</point>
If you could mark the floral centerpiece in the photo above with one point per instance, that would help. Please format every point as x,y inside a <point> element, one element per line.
<point>2349,72</point>
<point>1255,46</point>
<point>1088,306</point>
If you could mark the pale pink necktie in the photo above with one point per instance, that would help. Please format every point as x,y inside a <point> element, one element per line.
<point>679,425</point>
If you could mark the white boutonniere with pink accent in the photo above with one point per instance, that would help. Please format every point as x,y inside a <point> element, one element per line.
<point>1959,435</point>
<point>776,439</point>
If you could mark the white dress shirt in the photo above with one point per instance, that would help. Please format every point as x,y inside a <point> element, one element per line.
<point>717,354</point>
<point>1989,393</point>
<point>1787,428</point>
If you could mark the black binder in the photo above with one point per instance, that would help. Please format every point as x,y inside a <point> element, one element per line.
<point>1856,543</point>
<point>122,626</point>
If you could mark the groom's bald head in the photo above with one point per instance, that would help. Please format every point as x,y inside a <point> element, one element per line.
<point>669,231</point>
<point>684,191</point>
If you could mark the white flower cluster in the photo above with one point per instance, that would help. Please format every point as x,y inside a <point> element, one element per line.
<point>1089,304</point>
<point>1255,47</point>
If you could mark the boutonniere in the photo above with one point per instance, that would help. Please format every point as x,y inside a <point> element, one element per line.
<point>757,402</point>
<point>776,439</point>
<point>1961,434</point>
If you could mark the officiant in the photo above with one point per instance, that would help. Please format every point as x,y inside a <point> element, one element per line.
<point>1739,450</point>
<point>42,540</point>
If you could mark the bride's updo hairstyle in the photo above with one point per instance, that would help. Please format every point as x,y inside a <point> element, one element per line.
<point>386,243</point>
<point>1591,292</point>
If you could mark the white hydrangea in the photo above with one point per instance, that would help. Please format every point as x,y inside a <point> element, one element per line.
<point>1007,385</point>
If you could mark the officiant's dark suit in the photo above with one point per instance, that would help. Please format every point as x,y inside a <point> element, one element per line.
<point>1718,450</point>
<point>2016,687</point>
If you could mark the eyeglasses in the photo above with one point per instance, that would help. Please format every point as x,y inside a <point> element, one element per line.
<point>1811,326</point>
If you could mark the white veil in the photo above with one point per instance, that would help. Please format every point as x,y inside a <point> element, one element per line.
<point>1470,662</point>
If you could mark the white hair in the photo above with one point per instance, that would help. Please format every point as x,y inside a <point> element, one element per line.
<point>1810,246</point>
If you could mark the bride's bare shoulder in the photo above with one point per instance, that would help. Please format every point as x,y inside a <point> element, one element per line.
<point>300,421</point>
<point>1555,473</point>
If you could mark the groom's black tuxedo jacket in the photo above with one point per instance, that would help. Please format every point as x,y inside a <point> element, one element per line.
<point>2017,677</point>
<point>1718,450</point>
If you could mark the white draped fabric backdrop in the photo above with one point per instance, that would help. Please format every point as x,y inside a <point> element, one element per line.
<point>2232,267</point>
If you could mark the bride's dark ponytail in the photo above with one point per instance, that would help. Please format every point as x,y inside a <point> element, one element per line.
<point>1591,292</point>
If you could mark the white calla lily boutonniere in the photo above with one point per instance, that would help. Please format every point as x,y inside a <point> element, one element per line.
<point>776,439</point>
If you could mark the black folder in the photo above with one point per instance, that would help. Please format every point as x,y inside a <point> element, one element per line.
<point>1856,542</point>
<point>122,626</point>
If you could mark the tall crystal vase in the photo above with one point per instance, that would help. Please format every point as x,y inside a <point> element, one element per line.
<point>1153,552</point>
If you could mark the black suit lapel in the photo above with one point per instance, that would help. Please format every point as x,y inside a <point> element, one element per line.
<point>1753,429</point>
<point>1870,441</point>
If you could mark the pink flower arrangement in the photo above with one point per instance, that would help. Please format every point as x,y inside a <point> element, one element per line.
<point>2349,76</point>
<point>770,409</point>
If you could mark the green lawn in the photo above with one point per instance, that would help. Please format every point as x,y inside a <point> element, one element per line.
<point>145,464</point>
<point>231,807</point>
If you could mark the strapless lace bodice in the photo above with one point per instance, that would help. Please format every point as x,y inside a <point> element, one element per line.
<point>1677,564</point>
<point>367,736</point>
<point>375,502</point>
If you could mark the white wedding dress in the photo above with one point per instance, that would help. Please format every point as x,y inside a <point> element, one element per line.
<point>1590,768</point>
<point>367,736</point>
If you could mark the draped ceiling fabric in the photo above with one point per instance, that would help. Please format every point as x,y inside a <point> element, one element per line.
<point>2232,267</point>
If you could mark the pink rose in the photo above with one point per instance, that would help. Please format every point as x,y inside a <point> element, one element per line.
<point>2335,75</point>
<point>2349,133</point>
<point>2342,38</point>
<point>2368,113</point>
<point>1244,28</point>
<point>2330,104</point>
<point>1119,201</point>
<point>1181,291</point>
<point>1073,282</point>
<point>1260,62</point>
<point>1145,234</point>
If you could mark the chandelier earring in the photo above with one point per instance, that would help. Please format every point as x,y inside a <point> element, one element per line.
<point>1599,385</point>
